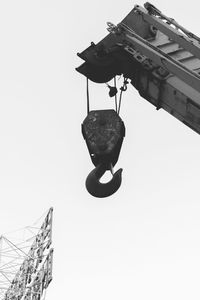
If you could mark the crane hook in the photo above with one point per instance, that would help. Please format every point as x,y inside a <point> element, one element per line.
<point>101,190</point>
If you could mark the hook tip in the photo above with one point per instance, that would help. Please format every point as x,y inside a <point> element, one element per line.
<point>102,190</point>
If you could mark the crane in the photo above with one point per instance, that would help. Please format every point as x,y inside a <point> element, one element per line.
<point>161,59</point>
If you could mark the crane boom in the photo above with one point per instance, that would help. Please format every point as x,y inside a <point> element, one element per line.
<point>159,56</point>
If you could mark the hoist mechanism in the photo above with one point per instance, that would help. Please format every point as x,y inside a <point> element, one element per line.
<point>160,58</point>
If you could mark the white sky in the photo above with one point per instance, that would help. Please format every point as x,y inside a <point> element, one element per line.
<point>141,243</point>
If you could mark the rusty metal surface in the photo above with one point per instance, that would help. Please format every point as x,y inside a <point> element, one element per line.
<point>103,131</point>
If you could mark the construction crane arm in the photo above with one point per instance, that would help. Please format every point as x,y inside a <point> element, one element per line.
<point>161,58</point>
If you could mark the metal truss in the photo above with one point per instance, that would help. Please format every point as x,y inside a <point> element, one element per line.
<point>26,262</point>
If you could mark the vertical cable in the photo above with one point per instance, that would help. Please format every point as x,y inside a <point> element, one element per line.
<point>120,100</point>
<point>122,89</point>
<point>88,97</point>
<point>115,94</point>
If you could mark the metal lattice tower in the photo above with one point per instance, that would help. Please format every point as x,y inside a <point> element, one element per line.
<point>26,262</point>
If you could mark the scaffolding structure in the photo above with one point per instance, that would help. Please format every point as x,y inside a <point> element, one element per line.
<point>26,262</point>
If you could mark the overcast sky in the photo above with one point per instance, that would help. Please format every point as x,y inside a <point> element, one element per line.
<point>144,241</point>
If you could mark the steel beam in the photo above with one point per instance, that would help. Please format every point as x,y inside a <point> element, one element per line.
<point>162,59</point>
<point>187,43</point>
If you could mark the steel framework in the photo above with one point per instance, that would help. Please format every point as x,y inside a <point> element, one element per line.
<point>26,263</point>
